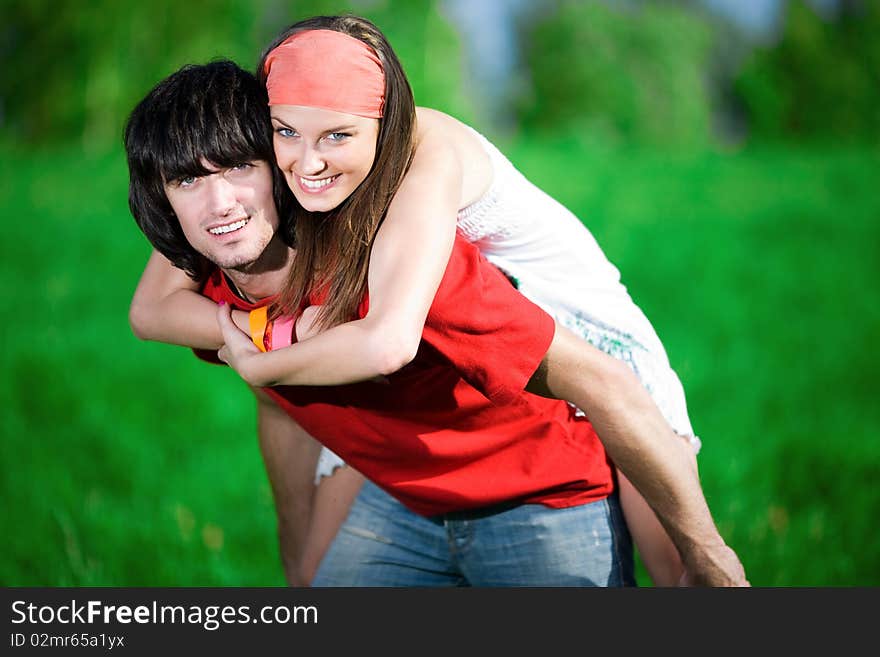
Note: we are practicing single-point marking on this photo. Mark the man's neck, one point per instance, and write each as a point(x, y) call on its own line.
point(265, 277)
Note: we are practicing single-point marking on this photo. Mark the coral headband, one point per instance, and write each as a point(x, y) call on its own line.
point(326, 69)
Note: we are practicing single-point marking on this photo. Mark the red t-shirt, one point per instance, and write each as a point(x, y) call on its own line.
point(454, 429)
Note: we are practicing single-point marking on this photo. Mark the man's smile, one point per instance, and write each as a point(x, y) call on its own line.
point(230, 227)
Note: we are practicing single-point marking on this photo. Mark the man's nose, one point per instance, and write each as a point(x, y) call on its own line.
point(222, 199)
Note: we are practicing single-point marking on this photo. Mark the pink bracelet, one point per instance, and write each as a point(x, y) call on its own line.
point(282, 332)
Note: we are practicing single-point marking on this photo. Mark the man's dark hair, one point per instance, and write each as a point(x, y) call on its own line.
point(217, 112)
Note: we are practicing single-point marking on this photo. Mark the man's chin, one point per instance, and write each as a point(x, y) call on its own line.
point(238, 262)
point(243, 266)
point(242, 256)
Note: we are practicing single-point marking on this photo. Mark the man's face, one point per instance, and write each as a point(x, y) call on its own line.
point(229, 215)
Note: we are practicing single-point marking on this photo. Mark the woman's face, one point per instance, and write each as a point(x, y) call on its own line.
point(323, 154)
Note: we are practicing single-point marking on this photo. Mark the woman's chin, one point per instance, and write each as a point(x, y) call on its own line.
point(316, 204)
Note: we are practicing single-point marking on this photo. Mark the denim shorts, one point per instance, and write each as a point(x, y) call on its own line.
point(382, 543)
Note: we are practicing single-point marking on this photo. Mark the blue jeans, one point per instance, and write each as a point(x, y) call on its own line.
point(382, 543)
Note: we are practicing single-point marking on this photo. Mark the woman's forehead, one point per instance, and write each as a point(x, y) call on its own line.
point(303, 116)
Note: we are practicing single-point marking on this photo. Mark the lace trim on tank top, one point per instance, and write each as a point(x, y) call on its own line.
point(484, 216)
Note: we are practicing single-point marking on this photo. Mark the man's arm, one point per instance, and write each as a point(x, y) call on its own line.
point(167, 307)
point(290, 455)
point(642, 445)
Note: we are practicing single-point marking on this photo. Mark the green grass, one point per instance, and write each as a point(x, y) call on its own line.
point(128, 463)
point(124, 463)
point(759, 271)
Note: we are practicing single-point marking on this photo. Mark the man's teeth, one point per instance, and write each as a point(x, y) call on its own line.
point(228, 228)
point(318, 184)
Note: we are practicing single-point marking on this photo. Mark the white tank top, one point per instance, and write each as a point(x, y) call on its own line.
point(554, 259)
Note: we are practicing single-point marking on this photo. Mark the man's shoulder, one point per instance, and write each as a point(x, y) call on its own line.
point(472, 286)
point(214, 284)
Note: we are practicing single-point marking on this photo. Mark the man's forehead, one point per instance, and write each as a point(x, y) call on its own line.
point(204, 167)
point(209, 166)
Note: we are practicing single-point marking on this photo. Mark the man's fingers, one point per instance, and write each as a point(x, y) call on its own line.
point(232, 335)
point(228, 329)
point(224, 317)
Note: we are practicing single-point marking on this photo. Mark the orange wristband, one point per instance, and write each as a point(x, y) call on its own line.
point(257, 320)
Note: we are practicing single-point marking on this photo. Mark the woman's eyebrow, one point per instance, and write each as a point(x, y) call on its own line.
point(341, 128)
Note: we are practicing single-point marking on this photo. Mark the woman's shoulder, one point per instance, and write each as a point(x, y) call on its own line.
point(432, 118)
point(438, 133)
point(441, 126)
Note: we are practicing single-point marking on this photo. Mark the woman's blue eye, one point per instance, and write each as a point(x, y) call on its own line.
point(338, 136)
point(286, 132)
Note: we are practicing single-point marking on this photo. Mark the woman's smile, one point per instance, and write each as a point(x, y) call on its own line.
point(317, 185)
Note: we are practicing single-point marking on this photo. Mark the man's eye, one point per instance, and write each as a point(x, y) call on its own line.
point(186, 181)
point(241, 167)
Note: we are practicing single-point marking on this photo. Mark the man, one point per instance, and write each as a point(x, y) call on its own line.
point(204, 192)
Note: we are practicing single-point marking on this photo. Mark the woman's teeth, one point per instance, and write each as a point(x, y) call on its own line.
point(318, 184)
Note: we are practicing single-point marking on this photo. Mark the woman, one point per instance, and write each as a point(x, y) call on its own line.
point(383, 189)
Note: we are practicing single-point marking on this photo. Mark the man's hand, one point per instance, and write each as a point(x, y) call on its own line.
point(238, 351)
point(307, 325)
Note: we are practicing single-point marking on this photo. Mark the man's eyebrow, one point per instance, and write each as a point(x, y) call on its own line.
point(190, 173)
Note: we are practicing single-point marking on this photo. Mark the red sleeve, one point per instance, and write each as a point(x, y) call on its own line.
point(490, 332)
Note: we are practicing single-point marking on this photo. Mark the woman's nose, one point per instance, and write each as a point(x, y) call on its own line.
point(312, 162)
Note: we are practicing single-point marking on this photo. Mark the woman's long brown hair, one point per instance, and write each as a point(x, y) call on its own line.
point(333, 248)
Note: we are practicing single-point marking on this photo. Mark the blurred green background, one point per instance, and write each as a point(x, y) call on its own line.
point(732, 175)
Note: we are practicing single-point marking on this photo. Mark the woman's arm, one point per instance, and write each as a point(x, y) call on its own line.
point(407, 262)
point(167, 307)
